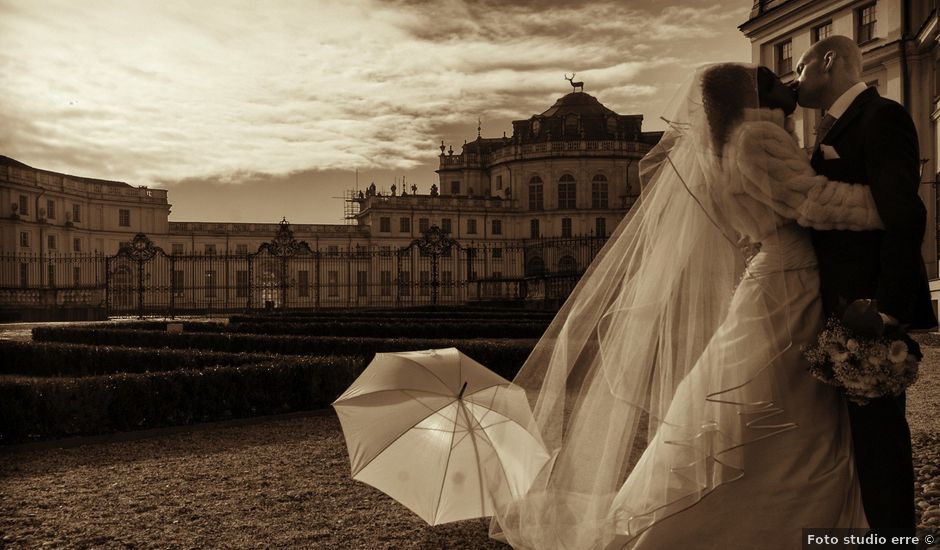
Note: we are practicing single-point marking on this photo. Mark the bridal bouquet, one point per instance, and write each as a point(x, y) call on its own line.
point(862, 355)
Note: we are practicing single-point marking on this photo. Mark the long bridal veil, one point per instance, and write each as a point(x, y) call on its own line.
point(641, 410)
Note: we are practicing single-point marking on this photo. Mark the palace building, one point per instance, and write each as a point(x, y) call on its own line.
point(529, 205)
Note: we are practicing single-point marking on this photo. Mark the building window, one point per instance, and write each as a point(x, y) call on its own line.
point(571, 125)
point(176, 282)
point(600, 227)
point(471, 227)
point(445, 225)
point(50, 209)
point(51, 242)
point(177, 249)
point(455, 188)
point(567, 265)
point(534, 229)
point(385, 224)
point(24, 205)
point(241, 249)
point(567, 192)
point(497, 228)
point(385, 279)
point(241, 283)
point(362, 283)
point(76, 213)
point(566, 227)
point(823, 30)
point(210, 250)
point(404, 225)
point(599, 192)
point(612, 125)
point(447, 282)
point(536, 194)
point(76, 245)
point(784, 57)
point(24, 239)
point(24, 275)
point(423, 225)
point(535, 267)
point(303, 283)
point(404, 283)
point(124, 217)
point(76, 276)
point(499, 182)
point(332, 283)
point(865, 24)
point(424, 283)
point(210, 283)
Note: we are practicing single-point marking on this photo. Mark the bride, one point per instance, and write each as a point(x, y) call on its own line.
point(670, 389)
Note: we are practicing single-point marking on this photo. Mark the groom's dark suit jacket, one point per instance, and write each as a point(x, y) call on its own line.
point(877, 145)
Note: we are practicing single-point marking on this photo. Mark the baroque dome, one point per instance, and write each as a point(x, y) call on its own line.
point(578, 103)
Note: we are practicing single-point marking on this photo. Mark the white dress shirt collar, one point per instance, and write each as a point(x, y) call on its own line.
point(840, 105)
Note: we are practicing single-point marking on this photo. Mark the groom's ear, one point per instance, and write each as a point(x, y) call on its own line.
point(828, 60)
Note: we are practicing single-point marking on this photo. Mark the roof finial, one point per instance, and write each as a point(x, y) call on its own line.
point(479, 126)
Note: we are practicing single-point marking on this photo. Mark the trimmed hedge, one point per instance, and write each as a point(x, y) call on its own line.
point(352, 315)
point(60, 359)
point(392, 329)
point(406, 328)
point(503, 356)
point(34, 408)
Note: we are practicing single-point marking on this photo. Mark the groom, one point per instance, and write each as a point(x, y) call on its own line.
point(867, 139)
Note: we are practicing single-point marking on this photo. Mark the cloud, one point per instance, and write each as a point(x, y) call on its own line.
point(158, 93)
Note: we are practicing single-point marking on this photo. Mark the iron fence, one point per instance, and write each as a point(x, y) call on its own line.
point(285, 273)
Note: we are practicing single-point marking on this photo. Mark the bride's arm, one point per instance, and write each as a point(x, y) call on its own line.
point(776, 171)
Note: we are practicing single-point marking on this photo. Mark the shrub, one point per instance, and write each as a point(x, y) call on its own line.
point(503, 356)
point(394, 329)
point(60, 359)
point(34, 408)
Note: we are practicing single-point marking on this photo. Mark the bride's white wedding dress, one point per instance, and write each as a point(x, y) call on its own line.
point(796, 451)
point(671, 390)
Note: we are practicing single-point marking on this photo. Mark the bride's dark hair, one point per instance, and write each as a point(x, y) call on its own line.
point(727, 90)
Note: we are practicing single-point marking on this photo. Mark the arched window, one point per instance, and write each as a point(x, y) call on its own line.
point(611, 125)
point(536, 194)
point(535, 267)
point(567, 192)
point(567, 265)
point(599, 192)
point(571, 125)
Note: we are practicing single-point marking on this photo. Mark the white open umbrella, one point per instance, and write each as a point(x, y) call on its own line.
point(437, 431)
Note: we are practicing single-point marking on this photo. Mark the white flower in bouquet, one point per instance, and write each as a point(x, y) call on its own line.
point(840, 357)
point(898, 352)
point(851, 344)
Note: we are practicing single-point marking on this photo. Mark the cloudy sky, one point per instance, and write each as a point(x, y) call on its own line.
point(249, 111)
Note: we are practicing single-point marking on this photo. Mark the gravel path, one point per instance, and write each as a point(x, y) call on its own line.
point(280, 483)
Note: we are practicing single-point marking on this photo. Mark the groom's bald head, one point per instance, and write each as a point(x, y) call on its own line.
point(827, 69)
point(846, 55)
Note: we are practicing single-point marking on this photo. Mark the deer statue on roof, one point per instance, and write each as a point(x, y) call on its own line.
point(574, 85)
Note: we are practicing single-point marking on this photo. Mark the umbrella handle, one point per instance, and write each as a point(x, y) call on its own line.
point(460, 395)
